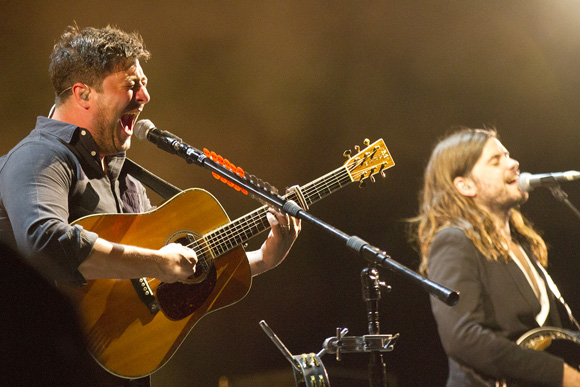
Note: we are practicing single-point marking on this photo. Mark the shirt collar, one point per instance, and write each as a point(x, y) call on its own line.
point(62, 130)
point(84, 143)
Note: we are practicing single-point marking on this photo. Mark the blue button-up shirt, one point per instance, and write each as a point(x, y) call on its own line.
point(48, 180)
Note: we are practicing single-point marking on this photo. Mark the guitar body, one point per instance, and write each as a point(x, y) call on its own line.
point(124, 336)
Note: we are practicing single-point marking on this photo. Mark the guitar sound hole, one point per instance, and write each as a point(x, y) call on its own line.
point(203, 266)
point(179, 300)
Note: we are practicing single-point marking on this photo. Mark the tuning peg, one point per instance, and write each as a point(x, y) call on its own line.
point(367, 142)
point(375, 149)
point(347, 153)
point(357, 148)
point(372, 179)
point(382, 171)
point(362, 182)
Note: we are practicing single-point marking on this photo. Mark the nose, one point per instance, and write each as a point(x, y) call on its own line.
point(515, 164)
point(142, 96)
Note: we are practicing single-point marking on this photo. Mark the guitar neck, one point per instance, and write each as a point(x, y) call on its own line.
point(224, 239)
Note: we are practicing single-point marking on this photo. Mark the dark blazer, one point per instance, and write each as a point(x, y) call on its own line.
point(496, 306)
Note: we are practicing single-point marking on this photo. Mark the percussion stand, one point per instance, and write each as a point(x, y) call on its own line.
point(309, 370)
point(371, 290)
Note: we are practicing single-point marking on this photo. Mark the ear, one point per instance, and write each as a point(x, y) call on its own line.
point(81, 93)
point(465, 186)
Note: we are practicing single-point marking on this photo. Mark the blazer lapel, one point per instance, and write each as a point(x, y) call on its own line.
point(522, 284)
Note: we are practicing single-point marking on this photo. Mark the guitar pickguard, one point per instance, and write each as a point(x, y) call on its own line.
point(179, 300)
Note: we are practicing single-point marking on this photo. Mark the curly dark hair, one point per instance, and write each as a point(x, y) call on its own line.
point(91, 54)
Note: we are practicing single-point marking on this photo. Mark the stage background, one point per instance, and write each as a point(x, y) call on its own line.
point(282, 89)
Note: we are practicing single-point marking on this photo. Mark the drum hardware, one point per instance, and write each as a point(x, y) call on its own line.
point(308, 368)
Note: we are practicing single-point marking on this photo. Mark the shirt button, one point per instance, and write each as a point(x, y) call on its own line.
point(93, 153)
point(83, 132)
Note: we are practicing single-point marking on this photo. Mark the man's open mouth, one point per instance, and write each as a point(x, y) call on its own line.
point(514, 180)
point(127, 121)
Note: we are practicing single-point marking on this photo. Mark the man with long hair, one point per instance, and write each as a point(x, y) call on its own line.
point(473, 239)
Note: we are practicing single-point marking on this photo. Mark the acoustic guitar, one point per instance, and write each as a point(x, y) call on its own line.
point(133, 327)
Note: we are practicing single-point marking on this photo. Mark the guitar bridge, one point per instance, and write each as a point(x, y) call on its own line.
point(145, 294)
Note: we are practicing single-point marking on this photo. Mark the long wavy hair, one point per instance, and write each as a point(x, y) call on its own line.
point(441, 205)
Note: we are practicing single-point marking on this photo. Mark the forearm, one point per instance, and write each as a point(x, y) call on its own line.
point(113, 260)
point(171, 263)
point(259, 263)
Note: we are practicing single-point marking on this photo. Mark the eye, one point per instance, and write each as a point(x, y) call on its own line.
point(495, 160)
point(136, 85)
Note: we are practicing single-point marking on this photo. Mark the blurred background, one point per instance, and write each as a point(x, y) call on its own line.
point(282, 89)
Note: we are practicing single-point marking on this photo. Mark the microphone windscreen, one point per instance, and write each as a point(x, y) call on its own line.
point(142, 127)
point(524, 182)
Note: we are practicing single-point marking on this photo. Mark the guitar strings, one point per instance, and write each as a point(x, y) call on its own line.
point(249, 220)
point(258, 217)
point(256, 220)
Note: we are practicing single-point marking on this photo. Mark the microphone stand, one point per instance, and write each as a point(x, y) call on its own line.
point(562, 196)
point(372, 254)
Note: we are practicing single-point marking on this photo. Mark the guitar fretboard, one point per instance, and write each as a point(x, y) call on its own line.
point(224, 239)
point(374, 159)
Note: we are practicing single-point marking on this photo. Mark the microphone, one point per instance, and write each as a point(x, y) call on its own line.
point(527, 182)
point(146, 130)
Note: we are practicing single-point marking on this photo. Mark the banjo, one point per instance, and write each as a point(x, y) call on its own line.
point(557, 341)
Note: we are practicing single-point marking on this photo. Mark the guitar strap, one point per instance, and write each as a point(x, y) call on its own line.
point(163, 188)
point(558, 295)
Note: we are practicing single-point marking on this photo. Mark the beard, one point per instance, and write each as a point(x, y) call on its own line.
point(504, 204)
point(108, 135)
point(500, 200)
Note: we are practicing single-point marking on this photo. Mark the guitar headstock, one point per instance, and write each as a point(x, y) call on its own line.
point(375, 158)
